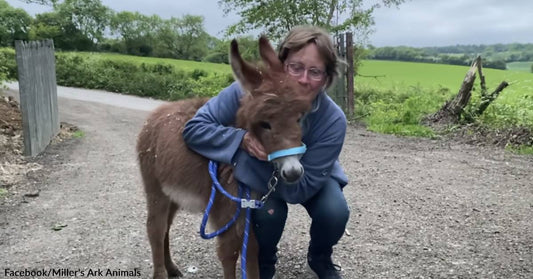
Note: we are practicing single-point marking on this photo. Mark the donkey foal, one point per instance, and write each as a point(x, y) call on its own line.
point(176, 178)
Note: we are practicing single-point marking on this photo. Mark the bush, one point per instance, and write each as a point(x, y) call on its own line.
point(3, 76)
point(8, 64)
point(397, 111)
point(161, 81)
point(217, 57)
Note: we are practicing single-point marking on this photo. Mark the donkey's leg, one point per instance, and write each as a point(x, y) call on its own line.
point(171, 267)
point(252, 262)
point(228, 248)
point(156, 226)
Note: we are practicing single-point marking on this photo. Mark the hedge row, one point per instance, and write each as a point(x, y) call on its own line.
point(161, 81)
point(8, 65)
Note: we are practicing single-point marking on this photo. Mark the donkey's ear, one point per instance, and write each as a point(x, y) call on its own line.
point(269, 55)
point(248, 75)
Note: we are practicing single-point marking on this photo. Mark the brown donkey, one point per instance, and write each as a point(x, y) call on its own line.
point(177, 178)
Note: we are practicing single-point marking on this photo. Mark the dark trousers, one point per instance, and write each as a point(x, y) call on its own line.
point(329, 214)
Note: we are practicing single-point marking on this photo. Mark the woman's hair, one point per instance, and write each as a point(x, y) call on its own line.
point(301, 36)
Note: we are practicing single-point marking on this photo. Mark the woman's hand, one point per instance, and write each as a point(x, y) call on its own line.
point(251, 145)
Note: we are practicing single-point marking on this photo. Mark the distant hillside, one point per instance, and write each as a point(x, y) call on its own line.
point(494, 56)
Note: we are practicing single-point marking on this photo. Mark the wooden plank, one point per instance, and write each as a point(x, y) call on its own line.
point(38, 94)
point(350, 102)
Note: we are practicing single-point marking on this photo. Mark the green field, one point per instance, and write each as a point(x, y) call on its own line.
point(520, 66)
point(392, 97)
point(394, 74)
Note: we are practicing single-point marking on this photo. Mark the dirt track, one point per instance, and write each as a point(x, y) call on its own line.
point(419, 209)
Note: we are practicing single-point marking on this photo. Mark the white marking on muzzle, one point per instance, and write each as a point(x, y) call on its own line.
point(290, 168)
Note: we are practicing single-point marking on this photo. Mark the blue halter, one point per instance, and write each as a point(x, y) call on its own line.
point(287, 152)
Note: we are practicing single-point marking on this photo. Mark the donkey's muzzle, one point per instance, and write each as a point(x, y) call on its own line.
point(287, 161)
point(290, 169)
point(292, 175)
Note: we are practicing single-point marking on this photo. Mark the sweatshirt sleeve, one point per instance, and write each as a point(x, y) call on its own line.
point(318, 162)
point(210, 132)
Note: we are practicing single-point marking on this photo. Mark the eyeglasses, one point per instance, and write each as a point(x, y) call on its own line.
point(298, 69)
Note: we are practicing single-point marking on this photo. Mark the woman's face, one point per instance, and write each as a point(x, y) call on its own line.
point(308, 68)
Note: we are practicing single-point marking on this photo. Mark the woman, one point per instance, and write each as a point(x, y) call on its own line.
point(308, 56)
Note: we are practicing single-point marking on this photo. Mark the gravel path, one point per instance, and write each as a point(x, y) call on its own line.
point(419, 209)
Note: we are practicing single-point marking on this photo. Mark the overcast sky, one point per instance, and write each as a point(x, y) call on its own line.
point(415, 23)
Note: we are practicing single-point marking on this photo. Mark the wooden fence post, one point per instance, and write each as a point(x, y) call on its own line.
point(338, 89)
point(349, 75)
point(342, 91)
point(38, 94)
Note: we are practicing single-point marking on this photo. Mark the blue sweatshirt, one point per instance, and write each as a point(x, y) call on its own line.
point(211, 134)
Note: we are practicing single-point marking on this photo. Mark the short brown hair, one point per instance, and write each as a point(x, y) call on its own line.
point(301, 36)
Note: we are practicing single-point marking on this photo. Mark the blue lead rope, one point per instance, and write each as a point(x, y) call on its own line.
point(244, 203)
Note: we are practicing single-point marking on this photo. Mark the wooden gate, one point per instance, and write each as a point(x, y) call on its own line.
point(342, 91)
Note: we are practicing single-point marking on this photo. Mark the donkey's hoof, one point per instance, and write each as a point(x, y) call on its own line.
point(174, 272)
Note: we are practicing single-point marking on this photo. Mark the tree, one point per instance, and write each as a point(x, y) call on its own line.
point(90, 17)
point(14, 24)
point(42, 2)
point(276, 17)
point(48, 26)
point(218, 50)
point(137, 31)
point(55, 26)
point(182, 38)
point(73, 24)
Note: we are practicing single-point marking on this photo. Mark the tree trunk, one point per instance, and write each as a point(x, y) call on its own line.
point(487, 99)
point(451, 111)
point(481, 78)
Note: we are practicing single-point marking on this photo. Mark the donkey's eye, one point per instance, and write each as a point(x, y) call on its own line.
point(264, 125)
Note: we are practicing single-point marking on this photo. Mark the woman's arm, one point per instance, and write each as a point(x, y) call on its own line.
point(210, 132)
point(318, 162)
